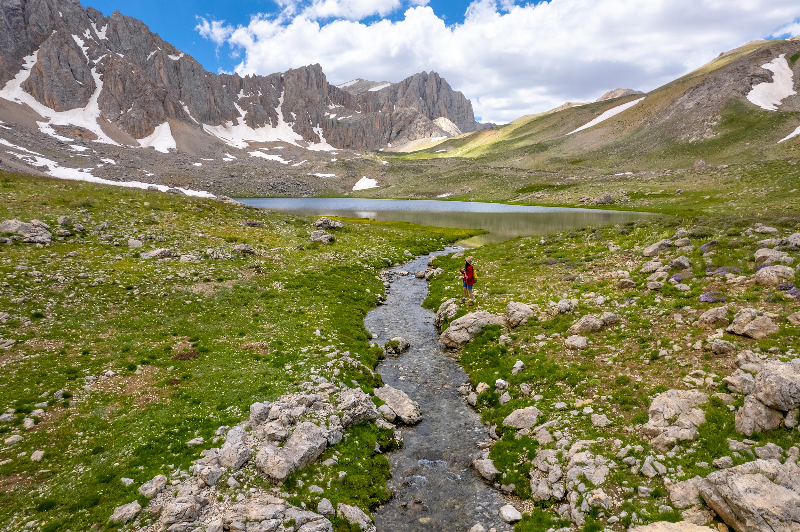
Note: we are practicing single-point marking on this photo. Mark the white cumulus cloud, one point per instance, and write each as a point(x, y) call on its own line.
point(508, 59)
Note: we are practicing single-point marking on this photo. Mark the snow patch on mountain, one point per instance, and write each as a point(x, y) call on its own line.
point(161, 139)
point(769, 95)
point(608, 114)
point(364, 183)
point(269, 157)
point(791, 135)
point(85, 117)
point(379, 87)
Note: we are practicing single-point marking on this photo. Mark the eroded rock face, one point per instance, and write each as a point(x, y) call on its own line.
point(464, 329)
point(756, 496)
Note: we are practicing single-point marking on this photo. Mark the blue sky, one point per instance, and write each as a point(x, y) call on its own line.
point(509, 58)
point(175, 21)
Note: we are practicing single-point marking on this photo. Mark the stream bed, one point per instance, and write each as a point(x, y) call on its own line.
point(433, 485)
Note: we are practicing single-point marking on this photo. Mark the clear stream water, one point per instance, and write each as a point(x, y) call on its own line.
point(434, 488)
point(502, 221)
point(433, 485)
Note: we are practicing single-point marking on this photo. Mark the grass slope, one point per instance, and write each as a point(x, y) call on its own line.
point(192, 344)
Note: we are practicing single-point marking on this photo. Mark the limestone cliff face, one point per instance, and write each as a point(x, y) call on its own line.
point(138, 81)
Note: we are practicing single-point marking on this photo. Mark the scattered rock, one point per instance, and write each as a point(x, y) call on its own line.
point(722, 347)
point(486, 469)
point(713, 318)
point(244, 249)
point(126, 512)
point(517, 313)
point(576, 342)
point(355, 515)
point(774, 275)
point(305, 445)
point(447, 311)
point(322, 237)
point(586, 324)
point(754, 416)
point(327, 223)
point(600, 420)
point(509, 514)
point(666, 526)
point(464, 329)
point(522, 418)
point(674, 417)
point(35, 232)
point(396, 345)
point(153, 487)
point(161, 253)
point(657, 248)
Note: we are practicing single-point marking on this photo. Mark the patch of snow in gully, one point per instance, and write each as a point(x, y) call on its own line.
point(608, 114)
point(791, 135)
point(379, 87)
point(769, 95)
point(269, 157)
point(161, 139)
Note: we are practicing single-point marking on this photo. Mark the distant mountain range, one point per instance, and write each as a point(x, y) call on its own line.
point(743, 106)
point(75, 73)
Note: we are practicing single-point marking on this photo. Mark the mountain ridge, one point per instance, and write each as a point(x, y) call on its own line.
point(143, 82)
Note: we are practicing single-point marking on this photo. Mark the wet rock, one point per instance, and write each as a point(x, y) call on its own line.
point(161, 253)
point(509, 514)
point(754, 416)
point(396, 345)
point(153, 487)
point(713, 318)
point(486, 469)
point(657, 248)
point(756, 496)
point(464, 329)
point(517, 313)
point(576, 342)
point(522, 418)
point(401, 404)
point(35, 232)
point(126, 512)
point(327, 223)
point(774, 275)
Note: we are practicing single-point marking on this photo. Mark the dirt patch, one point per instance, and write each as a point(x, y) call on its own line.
point(11, 483)
point(208, 288)
point(188, 354)
point(262, 348)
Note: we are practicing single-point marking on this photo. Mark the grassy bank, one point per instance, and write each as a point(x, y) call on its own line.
point(187, 346)
point(657, 345)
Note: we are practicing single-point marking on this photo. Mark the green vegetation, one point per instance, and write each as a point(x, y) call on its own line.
point(191, 344)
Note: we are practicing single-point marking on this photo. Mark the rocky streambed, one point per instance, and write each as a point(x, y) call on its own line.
point(433, 485)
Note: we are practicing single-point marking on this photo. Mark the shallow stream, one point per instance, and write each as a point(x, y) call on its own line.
point(433, 485)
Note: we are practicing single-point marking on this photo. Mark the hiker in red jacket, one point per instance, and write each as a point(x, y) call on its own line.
point(468, 278)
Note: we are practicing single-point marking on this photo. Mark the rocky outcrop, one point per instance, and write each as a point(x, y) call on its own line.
point(774, 393)
point(756, 496)
point(35, 232)
point(140, 82)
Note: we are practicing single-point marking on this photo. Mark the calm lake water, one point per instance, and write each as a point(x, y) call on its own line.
point(502, 221)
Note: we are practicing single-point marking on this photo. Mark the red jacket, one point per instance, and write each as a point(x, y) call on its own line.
point(468, 275)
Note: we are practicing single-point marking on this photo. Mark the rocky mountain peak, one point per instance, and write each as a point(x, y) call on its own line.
point(131, 85)
point(617, 93)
